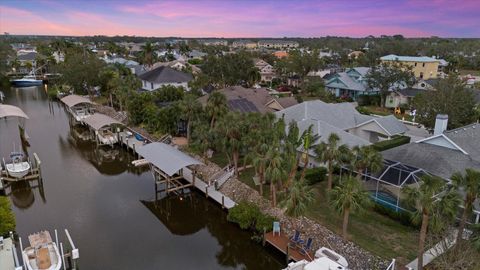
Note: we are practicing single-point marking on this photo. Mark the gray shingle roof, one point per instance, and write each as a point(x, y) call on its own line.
point(439, 160)
point(410, 92)
point(337, 117)
point(165, 75)
point(343, 81)
point(27, 56)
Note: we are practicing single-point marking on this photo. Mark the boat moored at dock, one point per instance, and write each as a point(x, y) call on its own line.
point(42, 253)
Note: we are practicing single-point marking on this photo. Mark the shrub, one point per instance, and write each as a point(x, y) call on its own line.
point(248, 216)
point(402, 216)
point(315, 175)
point(363, 110)
point(7, 218)
point(394, 142)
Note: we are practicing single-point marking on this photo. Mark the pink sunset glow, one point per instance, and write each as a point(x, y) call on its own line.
point(242, 18)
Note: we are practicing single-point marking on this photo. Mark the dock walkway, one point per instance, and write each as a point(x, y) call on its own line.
point(281, 242)
point(7, 256)
point(209, 190)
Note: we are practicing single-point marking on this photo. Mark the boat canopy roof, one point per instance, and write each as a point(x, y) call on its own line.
point(10, 110)
point(98, 121)
point(73, 100)
point(167, 158)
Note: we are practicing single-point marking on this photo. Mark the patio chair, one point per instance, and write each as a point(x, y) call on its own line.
point(276, 228)
point(305, 247)
point(295, 239)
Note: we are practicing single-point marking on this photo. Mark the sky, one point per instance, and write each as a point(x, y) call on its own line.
point(242, 18)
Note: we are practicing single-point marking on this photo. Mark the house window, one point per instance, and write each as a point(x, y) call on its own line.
point(415, 64)
point(151, 85)
point(423, 65)
point(421, 75)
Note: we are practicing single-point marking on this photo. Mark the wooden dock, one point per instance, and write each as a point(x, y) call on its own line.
point(281, 242)
point(131, 143)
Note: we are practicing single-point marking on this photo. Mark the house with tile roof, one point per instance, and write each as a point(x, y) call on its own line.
point(353, 128)
point(423, 67)
point(163, 76)
point(352, 83)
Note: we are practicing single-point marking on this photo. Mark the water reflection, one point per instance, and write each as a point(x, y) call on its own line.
point(22, 193)
point(186, 215)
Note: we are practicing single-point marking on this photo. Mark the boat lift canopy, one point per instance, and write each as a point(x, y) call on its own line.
point(98, 121)
point(9, 110)
point(73, 100)
point(166, 158)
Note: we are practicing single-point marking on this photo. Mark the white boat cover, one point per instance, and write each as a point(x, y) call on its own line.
point(165, 157)
point(10, 110)
point(98, 120)
point(73, 100)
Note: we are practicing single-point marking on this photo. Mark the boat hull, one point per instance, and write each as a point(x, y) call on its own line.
point(20, 83)
point(18, 170)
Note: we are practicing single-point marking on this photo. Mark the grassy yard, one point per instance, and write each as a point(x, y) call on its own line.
point(469, 71)
point(374, 232)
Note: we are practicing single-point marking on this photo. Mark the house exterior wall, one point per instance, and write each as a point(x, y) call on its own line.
point(149, 86)
point(277, 45)
point(394, 100)
point(422, 70)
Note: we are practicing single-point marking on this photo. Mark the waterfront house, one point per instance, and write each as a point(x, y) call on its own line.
point(163, 76)
point(246, 100)
point(353, 128)
point(350, 84)
point(444, 153)
point(423, 67)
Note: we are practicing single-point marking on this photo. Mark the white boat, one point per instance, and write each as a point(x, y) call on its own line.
point(42, 254)
point(29, 80)
point(17, 168)
point(325, 259)
point(106, 136)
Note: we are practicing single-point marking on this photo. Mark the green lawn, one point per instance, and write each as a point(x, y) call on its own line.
point(376, 233)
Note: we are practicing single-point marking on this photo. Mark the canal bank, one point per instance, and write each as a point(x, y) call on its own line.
point(109, 208)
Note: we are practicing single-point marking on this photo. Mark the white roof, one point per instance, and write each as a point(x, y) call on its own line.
point(73, 100)
point(98, 120)
point(165, 157)
point(9, 110)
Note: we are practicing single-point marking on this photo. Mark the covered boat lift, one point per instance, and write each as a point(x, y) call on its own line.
point(105, 128)
point(169, 166)
point(78, 106)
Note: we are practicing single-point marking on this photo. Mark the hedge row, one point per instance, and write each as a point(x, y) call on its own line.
point(248, 216)
point(394, 142)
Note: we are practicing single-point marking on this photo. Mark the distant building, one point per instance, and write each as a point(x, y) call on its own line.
point(280, 54)
point(423, 67)
point(163, 76)
point(195, 54)
point(214, 42)
point(267, 72)
point(278, 44)
point(244, 44)
point(355, 54)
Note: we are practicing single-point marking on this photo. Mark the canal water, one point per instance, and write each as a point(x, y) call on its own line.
point(109, 207)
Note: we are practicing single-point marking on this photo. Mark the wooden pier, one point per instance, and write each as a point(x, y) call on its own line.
point(282, 243)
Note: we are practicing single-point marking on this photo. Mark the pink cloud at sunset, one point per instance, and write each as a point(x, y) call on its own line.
point(242, 18)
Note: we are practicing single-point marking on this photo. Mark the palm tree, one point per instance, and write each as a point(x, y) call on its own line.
point(253, 76)
point(148, 54)
point(431, 208)
point(260, 161)
point(231, 131)
point(308, 138)
point(366, 158)
point(275, 171)
point(349, 196)
point(292, 141)
point(470, 184)
point(190, 108)
point(331, 153)
point(299, 197)
point(216, 107)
